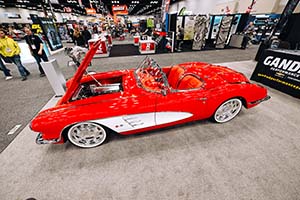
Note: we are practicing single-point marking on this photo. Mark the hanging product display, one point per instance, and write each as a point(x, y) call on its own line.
point(234, 26)
point(189, 27)
point(223, 31)
point(216, 26)
point(200, 31)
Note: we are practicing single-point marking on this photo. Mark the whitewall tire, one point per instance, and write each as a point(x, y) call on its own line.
point(86, 135)
point(228, 110)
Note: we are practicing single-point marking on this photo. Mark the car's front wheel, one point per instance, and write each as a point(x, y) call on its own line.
point(228, 110)
point(87, 134)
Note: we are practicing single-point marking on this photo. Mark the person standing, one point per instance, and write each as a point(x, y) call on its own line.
point(78, 37)
point(6, 71)
point(248, 33)
point(11, 50)
point(36, 45)
point(86, 35)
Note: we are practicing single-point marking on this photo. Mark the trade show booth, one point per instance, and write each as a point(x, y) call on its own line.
point(279, 59)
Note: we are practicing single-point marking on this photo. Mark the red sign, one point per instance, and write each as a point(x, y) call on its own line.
point(122, 10)
point(119, 8)
point(136, 39)
point(102, 48)
point(149, 46)
point(90, 11)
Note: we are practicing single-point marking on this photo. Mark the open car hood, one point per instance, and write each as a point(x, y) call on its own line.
point(75, 81)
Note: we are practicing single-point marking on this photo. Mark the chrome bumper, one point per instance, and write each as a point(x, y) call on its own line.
point(40, 140)
point(261, 100)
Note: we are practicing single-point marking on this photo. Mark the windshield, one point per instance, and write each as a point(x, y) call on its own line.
point(150, 76)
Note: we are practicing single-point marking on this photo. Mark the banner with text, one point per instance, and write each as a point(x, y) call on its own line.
point(280, 70)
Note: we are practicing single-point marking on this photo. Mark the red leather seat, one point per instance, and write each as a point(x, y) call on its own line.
point(189, 82)
point(175, 75)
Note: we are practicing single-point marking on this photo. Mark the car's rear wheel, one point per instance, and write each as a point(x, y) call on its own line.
point(86, 134)
point(228, 110)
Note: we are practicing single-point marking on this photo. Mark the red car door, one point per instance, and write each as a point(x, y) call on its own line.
point(179, 105)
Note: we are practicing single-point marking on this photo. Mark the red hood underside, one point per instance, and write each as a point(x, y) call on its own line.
point(79, 73)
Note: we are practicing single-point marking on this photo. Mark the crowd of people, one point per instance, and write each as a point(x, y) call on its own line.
point(10, 52)
point(76, 33)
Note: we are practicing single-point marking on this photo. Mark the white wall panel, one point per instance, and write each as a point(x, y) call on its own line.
point(236, 6)
point(196, 6)
point(221, 5)
point(262, 6)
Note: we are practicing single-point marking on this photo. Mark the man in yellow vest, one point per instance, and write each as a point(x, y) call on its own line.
point(11, 51)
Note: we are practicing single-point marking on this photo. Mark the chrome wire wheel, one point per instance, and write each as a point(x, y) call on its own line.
point(86, 135)
point(228, 110)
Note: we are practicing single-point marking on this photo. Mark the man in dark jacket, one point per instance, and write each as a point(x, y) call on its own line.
point(86, 35)
point(35, 45)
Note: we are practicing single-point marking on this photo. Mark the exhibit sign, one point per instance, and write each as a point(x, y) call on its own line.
point(102, 50)
point(118, 11)
point(146, 46)
point(49, 30)
point(90, 11)
point(279, 69)
point(51, 33)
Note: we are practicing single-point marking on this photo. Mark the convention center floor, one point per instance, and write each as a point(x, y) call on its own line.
point(254, 156)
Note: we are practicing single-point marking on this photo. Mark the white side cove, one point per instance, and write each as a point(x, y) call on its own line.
point(138, 121)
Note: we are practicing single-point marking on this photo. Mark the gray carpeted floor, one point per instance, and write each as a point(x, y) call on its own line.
point(21, 100)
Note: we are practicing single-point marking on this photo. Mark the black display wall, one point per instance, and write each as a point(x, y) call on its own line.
point(242, 23)
point(291, 32)
point(172, 22)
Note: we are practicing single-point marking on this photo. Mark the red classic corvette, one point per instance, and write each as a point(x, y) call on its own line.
point(148, 97)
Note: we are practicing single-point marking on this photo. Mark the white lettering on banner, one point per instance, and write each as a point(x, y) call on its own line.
point(294, 67)
point(285, 64)
point(288, 65)
point(267, 62)
point(275, 62)
point(286, 72)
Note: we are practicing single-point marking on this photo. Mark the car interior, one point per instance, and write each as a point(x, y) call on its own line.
point(179, 80)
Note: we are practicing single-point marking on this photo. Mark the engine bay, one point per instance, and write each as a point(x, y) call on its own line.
point(98, 87)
